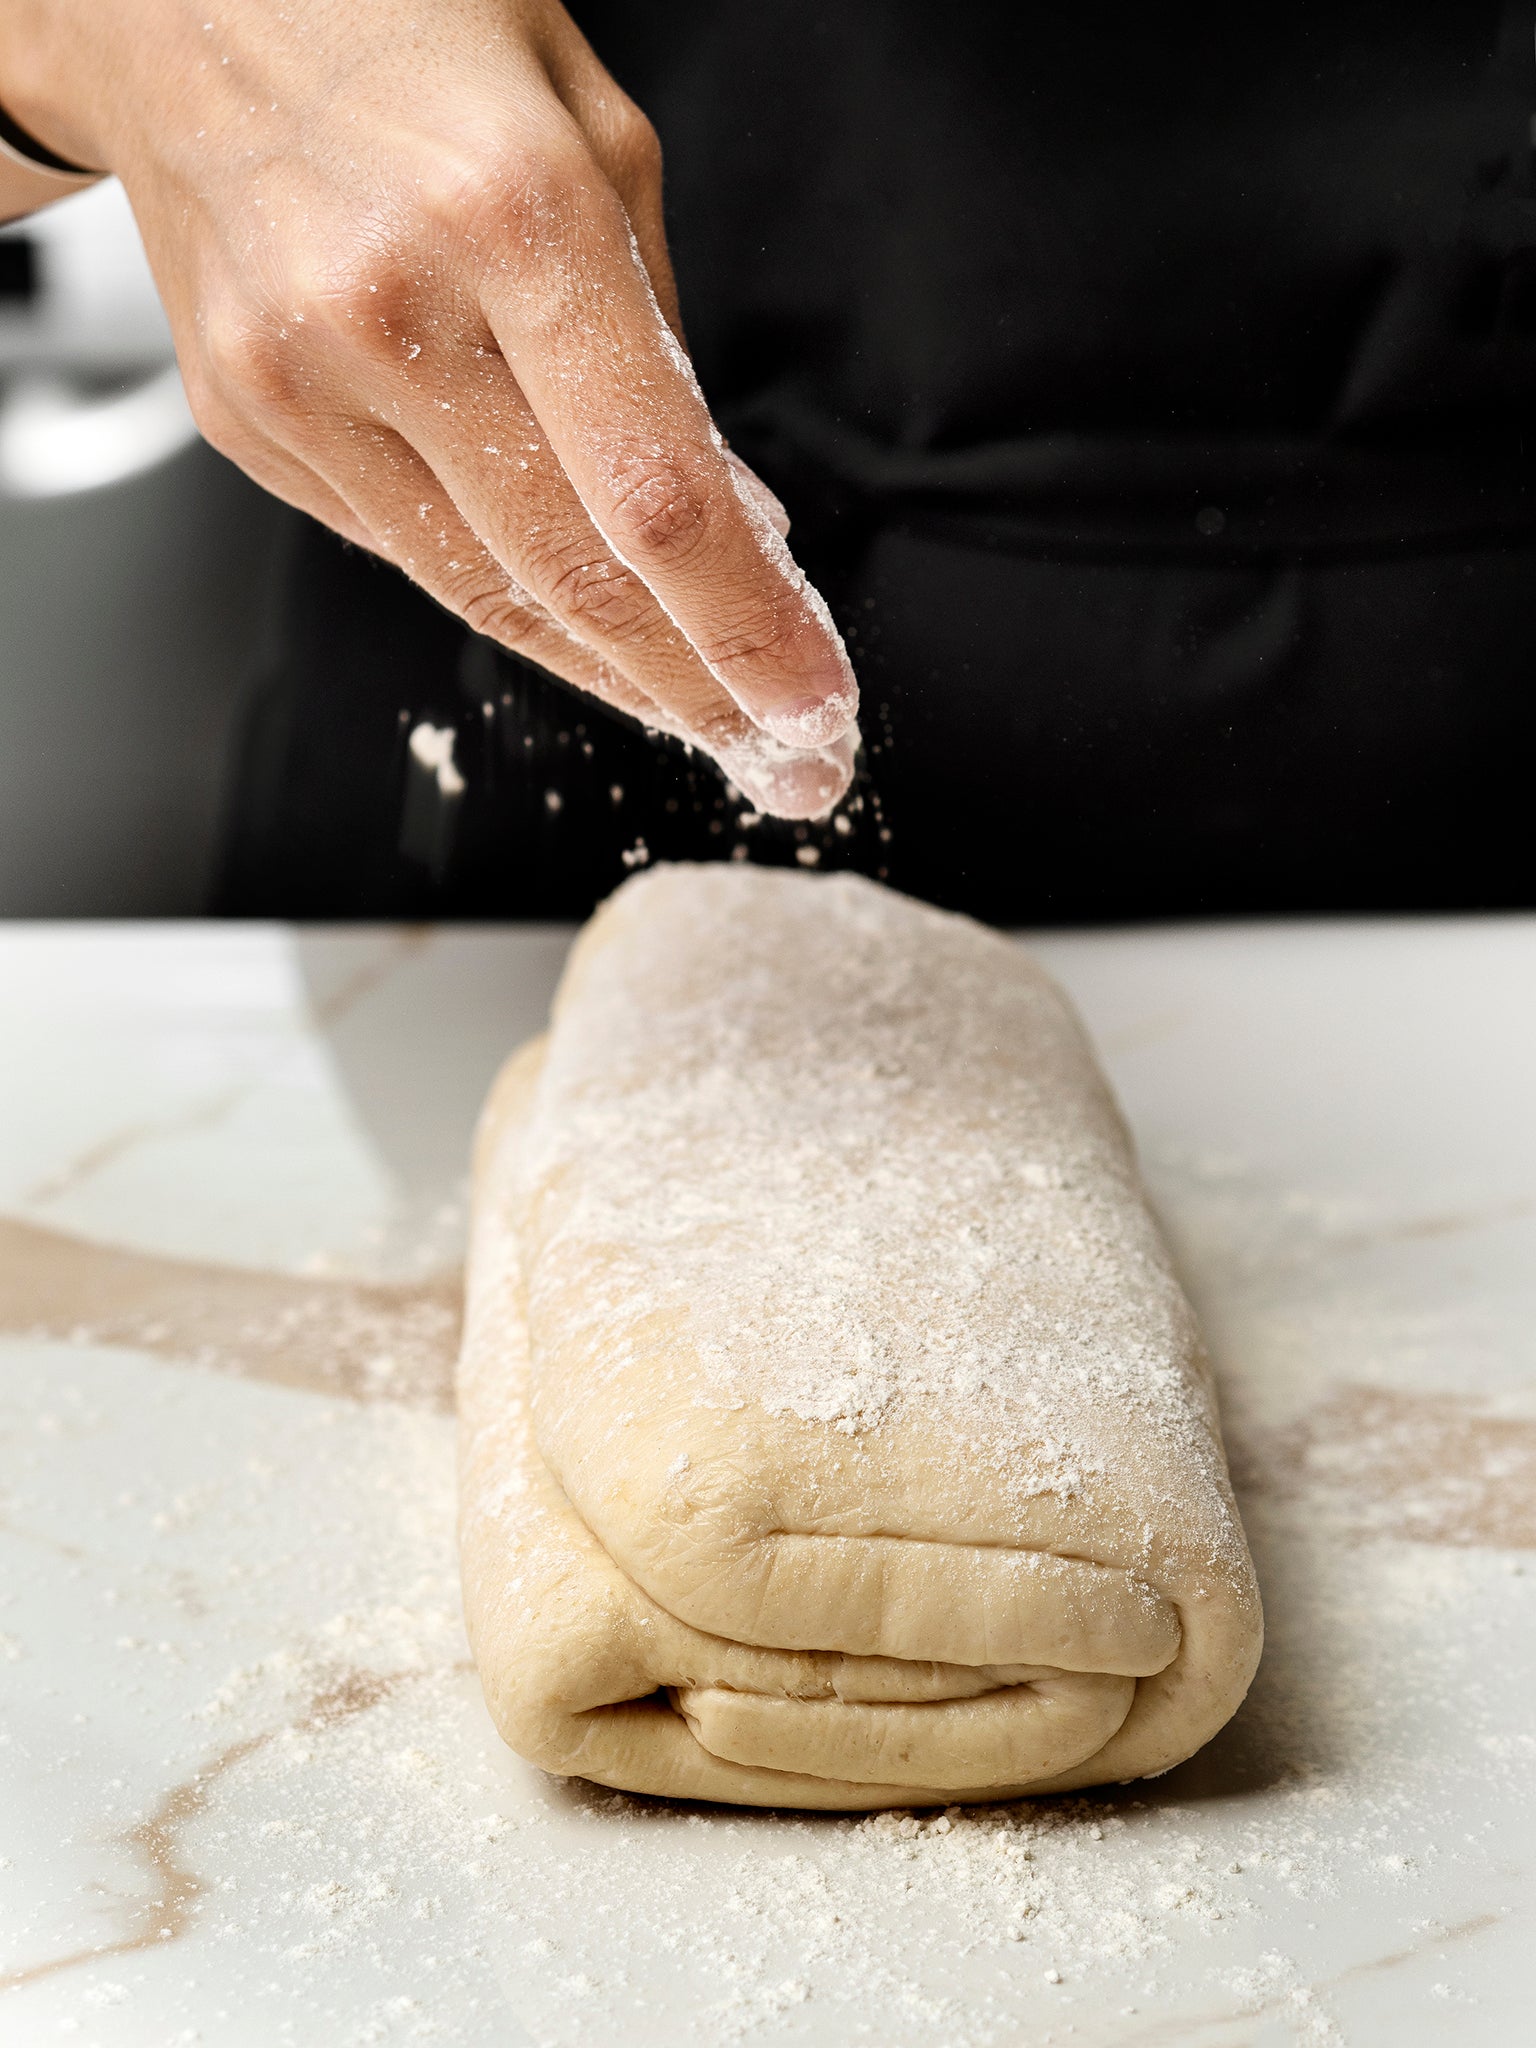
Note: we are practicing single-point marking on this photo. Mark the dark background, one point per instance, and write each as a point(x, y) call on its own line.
point(1152, 393)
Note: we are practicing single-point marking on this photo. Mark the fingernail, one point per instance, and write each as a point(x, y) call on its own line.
point(813, 721)
point(799, 784)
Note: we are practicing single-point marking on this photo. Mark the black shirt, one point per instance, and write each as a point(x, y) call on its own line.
point(1153, 394)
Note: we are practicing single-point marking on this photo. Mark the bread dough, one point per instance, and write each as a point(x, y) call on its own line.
point(834, 1430)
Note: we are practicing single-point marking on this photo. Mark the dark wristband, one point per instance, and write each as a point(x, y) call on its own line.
point(21, 144)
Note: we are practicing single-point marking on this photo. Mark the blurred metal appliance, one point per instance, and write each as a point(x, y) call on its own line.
point(134, 564)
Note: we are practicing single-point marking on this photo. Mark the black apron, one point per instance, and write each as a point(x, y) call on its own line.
point(1154, 396)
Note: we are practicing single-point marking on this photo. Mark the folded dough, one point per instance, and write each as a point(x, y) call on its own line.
point(834, 1431)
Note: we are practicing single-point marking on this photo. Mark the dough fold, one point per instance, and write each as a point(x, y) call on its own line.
point(834, 1432)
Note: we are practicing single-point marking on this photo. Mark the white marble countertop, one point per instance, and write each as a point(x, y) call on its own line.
point(248, 1793)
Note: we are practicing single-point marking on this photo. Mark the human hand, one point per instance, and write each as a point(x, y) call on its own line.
point(412, 253)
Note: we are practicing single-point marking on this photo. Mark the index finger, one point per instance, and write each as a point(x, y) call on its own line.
point(569, 303)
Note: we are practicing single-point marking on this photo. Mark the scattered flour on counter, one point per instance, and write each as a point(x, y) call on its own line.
point(357, 1857)
point(348, 1828)
point(380, 1826)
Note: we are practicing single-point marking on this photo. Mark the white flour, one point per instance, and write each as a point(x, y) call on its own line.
point(876, 1164)
point(362, 1862)
point(432, 746)
point(263, 1575)
point(388, 1821)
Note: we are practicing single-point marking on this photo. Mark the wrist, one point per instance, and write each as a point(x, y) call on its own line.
point(31, 176)
point(45, 137)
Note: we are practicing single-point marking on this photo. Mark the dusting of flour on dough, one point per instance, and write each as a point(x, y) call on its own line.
point(862, 1145)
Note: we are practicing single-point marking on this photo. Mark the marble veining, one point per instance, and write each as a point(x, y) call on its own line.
point(247, 1790)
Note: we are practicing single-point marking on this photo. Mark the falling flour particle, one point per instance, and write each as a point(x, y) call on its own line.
point(432, 747)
